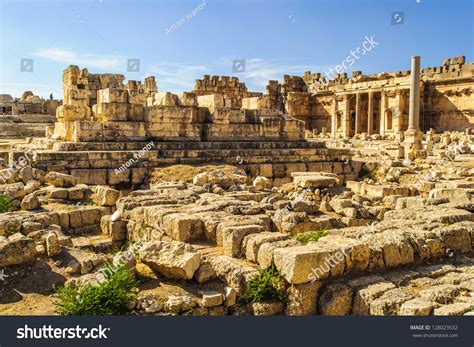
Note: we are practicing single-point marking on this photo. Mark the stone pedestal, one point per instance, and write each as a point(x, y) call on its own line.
point(399, 136)
point(401, 152)
point(413, 140)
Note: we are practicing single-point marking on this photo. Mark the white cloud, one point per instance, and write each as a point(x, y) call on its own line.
point(259, 71)
point(102, 62)
point(177, 77)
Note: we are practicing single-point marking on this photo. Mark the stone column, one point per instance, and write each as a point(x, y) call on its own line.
point(346, 117)
point(333, 124)
point(383, 114)
point(370, 114)
point(357, 116)
point(414, 112)
point(334, 119)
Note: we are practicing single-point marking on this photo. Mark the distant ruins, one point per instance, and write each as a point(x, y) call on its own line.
point(26, 116)
point(220, 121)
point(104, 122)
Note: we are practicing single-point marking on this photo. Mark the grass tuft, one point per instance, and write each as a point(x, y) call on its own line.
point(5, 204)
point(304, 238)
point(112, 297)
point(267, 286)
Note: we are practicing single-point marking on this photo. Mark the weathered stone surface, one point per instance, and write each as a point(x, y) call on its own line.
point(60, 180)
point(17, 249)
point(365, 296)
point(230, 296)
point(106, 196)
point(253, 242)
point(53, 246)
point(389, 303)
point(455, 309)
point(30, 202)
point(267, 308)
point(211, 298)
point(171, 259)
point(205, 273)
point(180, 303)
point(232, 238)
point(266, 250)
point(417, 307)
point(261, 183)
point(302, 299)
point(336, 300)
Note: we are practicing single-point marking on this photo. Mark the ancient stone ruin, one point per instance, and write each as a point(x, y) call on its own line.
point(27, 116)
point(353, 196)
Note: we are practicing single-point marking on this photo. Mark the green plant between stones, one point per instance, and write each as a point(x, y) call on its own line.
point(112, 297)
point(5, 204)
point(267, 286)
point(314, 236)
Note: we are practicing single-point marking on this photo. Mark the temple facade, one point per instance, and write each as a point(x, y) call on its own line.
point(379, 103)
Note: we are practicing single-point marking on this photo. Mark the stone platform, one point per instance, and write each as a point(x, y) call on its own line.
point(101, 162)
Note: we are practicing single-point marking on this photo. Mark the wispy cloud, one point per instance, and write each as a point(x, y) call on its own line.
point(177, 76)
point(259, 71)
point(102, 62)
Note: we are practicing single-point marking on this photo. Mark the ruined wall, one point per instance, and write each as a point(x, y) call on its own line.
point(28, 103)
point(101, 108)
point(230, 87)
point(449, 95)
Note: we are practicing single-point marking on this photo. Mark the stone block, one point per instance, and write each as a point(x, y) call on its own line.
point(212, 100)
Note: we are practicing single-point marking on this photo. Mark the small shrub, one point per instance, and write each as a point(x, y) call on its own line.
point(267, 286)
point(5, 204)
point(304, 238)
point(111, 297)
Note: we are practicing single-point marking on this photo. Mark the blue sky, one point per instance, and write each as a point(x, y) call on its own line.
point(274, 37)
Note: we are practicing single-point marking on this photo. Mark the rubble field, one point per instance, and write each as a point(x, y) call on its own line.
point(397, 240)
point(353, 196)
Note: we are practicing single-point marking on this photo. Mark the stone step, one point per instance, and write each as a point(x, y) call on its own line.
point(337, 255)
point(182, 145)
point(235, 273)
point(98, 243)
point(439, 289)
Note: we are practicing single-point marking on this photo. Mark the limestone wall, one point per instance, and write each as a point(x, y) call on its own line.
point(101, 108)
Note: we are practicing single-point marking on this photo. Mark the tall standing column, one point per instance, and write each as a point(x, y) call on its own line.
point(347, 116)
point(383, 114)
point(370, 114)
point(414, 111)
point(334, 118)
point(357, 116)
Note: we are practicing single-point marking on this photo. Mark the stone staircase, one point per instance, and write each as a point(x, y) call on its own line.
point(101, 162)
